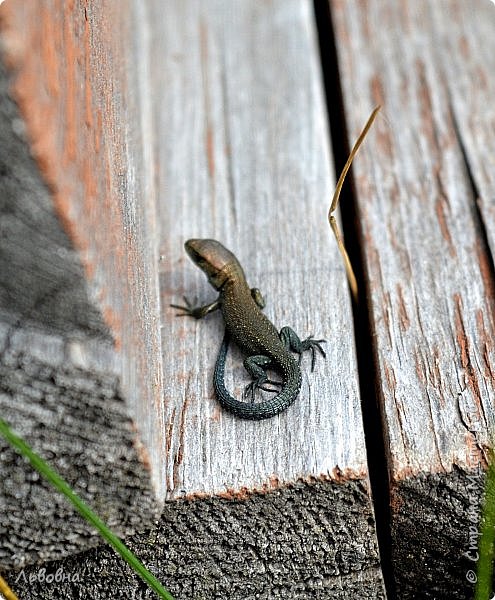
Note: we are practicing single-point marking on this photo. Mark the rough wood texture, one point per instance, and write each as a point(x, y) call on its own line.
point(429, 270)
point(239, 164)
point(249, 165)
point(468, 63)
point(282, 507)
point(79, 336)
point(287, 543)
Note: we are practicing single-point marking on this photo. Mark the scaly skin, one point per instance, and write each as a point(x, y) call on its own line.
point(251, 330)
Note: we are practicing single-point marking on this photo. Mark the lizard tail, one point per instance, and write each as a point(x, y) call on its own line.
point(261, 410)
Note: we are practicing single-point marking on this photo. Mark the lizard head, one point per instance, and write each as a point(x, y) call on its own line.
point(215, 260)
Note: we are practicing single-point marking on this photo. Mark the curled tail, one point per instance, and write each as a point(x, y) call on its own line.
point(256, 411)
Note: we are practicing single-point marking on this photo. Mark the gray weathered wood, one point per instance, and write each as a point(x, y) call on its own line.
point(239, 164)
point(428, 269)
point(284, 543)
point(79, 336)
point(468, 64)
point(281, 507)
point(244, 158)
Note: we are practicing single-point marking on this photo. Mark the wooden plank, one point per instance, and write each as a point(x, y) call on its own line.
point(279, 508)
point(245, 160)
point(467, 60)
point(256, 176)
point(79, 336)
point(429, 272)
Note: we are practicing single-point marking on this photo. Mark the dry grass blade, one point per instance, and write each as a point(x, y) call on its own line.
point(335, 200)
point(5, 591)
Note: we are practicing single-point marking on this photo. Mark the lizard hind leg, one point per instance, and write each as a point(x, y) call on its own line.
point(292, 341)
point(256, 367)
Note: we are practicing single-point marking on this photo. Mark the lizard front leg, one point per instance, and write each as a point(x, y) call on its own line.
point(257, 296)
point(197, 312)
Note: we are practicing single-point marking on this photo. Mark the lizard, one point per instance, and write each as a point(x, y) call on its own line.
point(251, 330)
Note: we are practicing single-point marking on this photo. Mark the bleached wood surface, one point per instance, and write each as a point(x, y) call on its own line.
point(239, 164)
point(244, 158)
point(468, 64)
point(241, 152)
point(429, 271)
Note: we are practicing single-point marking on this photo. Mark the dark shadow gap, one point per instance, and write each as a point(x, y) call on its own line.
point(373, 430)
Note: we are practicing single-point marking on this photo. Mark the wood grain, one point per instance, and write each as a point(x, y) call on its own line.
point(79, 331)
point(282, 506)
point(243, 157)
point(242, 154)
point(467, 62)
point(241, 166)
point(429, 271)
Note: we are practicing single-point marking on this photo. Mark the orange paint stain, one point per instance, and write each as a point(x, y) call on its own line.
point(402, 311)
point(273, 483)
point(463, 345)
point(442, 221)
point(210, 152)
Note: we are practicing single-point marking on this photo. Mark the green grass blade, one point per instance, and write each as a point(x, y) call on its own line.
point(484, 582)
point(62, 486)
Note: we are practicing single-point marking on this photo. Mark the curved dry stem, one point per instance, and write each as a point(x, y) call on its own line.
point(335, 200)
point(347, 263)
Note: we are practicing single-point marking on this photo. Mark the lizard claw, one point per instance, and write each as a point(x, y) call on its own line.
point(259, 384)
point(313, 345)
point(249, 391)
point(186, 309)
point(190, 309)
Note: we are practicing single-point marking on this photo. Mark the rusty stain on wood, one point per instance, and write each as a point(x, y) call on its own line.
point(402, 311)
point(420, 365)
point(440, 205)
point(488, 346)
point(209, 141)
point(463, 345)
point(487, 280)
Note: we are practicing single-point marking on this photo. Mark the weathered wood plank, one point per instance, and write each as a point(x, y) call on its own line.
point(79, 336)
point(256, 176)
point(279, 508)
point(246, 160)
point(468, 63)
point(429, 271)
